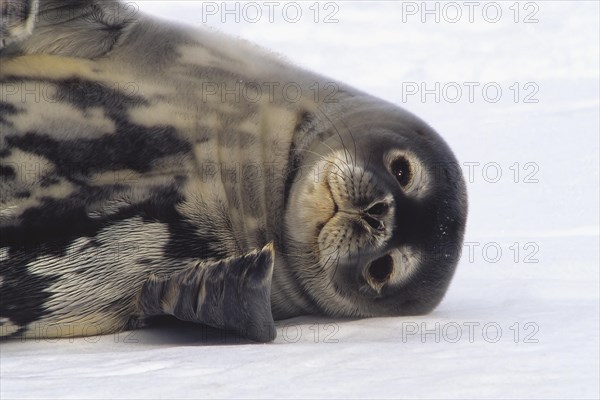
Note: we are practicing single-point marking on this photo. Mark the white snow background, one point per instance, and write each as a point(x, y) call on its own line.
point(520, 323)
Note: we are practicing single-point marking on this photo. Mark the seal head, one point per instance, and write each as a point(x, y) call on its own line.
point(376, 219)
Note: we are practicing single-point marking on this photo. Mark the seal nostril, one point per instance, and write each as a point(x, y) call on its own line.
point(380, 270)
point(374, 223)
point(378, 209)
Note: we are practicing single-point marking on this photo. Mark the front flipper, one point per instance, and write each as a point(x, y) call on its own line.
point(233, 294)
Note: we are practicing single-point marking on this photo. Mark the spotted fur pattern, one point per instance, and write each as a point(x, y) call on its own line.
point(133, 149)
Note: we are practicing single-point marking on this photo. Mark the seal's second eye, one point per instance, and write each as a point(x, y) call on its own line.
point(401, 171)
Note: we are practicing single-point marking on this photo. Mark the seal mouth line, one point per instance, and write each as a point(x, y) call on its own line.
point(321, 225)
point(335, 206)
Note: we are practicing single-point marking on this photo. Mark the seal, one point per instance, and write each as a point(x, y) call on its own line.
point(152, 169)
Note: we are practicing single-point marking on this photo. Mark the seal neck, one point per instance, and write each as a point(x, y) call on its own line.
point(288, 298)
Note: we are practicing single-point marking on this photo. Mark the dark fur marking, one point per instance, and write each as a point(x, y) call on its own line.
point(23, 194)
point(7, 109)
point(46, 181)
point(7, 172)
point(50, 227)
point(84, 94)
point(22, 309)
point(132, 146)
point(186, 241)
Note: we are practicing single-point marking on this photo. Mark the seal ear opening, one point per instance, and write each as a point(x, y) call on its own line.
point(17, 20)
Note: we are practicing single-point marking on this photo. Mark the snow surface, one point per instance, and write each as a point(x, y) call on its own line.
point(544, 299)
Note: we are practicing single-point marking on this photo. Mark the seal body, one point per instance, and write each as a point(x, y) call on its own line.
point(140, 159)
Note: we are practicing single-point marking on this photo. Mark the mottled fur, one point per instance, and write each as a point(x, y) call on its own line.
point(132, 148)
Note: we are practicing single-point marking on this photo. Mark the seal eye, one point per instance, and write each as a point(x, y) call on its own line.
point(401, 171)
point(381, 269)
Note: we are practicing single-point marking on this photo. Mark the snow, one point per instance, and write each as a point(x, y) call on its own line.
point(528, 317)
